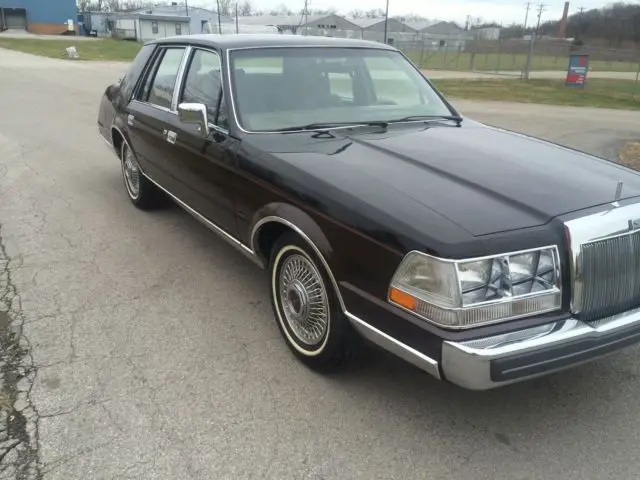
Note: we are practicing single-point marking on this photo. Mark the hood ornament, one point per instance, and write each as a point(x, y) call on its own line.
point(618, 194)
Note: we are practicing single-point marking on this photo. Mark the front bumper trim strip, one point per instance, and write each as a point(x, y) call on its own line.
point(490, 362)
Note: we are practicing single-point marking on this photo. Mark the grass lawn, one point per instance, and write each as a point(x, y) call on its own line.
point(442, 60)
point(107, 49)
point(630, 155)
point(598, 92)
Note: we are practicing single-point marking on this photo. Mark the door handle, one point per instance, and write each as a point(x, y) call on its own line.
point(131, 120)
point(171, 136)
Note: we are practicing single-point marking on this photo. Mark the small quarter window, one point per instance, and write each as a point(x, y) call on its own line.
point(203, 83)
point(178, 29)
point(154, 27)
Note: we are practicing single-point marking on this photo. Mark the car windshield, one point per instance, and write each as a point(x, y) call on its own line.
point(285, 88)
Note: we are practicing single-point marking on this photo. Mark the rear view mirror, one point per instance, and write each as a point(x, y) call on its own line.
point(196, 114)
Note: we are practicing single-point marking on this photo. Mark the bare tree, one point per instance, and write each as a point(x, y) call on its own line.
point(374, 13)
point(128, 5)
point(245, 8)
point(357, 13)
point(112, 5)
point(323, 11)
point(281, 9)
point(226, 6)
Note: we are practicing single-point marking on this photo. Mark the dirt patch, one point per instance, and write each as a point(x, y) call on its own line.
point(629, 155)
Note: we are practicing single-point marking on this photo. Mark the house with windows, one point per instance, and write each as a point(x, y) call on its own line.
point(145, 27)
point(200, 19)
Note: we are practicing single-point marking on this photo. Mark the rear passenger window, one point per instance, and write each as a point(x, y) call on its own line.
point(203, 83)
point(162, 85)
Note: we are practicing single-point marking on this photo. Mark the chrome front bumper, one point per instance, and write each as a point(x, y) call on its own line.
point(491, 362)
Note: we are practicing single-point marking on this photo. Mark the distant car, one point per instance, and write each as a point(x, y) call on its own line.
point(481, 256)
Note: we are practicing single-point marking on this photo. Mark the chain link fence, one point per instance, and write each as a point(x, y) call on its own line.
point(509, 57)
point(460, 52)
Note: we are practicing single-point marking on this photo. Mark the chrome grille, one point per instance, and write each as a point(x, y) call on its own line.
point(610, 272)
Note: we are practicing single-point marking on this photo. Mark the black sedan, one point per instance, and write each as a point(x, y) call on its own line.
point(480, 255)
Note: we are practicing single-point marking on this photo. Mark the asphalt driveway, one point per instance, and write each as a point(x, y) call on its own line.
point(138, 345)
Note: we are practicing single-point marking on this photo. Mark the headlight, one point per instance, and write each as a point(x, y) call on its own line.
point(473, 292)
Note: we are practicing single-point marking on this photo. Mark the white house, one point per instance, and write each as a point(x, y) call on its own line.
point(198, 17)
point(144, 27)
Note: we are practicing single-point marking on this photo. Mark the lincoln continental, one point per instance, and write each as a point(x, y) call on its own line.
point(381, 214)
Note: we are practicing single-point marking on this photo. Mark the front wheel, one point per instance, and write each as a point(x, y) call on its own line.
point(306, 308)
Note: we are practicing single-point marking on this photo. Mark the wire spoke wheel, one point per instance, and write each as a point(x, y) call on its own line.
point(304, 300)
point(131, 173)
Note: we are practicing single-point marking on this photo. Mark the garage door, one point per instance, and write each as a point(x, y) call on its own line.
point(15, 18)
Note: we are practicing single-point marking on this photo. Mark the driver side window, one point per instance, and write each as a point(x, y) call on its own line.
point(203, 84)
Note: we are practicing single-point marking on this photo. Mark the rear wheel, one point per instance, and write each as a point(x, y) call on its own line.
point(142, 193)
point(306, 307)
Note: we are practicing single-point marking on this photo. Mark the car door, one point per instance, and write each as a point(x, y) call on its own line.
point(150, 112)
point(204, 164)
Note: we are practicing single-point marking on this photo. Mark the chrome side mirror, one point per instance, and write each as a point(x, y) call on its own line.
point(196, 114)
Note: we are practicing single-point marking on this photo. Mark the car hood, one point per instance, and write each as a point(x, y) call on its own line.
point(484, 179)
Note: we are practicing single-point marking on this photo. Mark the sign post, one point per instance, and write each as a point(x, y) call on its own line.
point(577, 71)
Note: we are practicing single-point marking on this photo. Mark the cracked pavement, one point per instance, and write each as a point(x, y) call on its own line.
point(139, 346)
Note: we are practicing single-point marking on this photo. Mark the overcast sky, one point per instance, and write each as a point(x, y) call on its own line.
point(505, 11)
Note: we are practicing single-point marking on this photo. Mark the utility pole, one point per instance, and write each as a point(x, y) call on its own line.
point(219, 25)
point(305, 14)
point(526, 16)
point(237, 29)
point(386, 21)
point(527, 69)
point(186, 7)
point(540, 10)
point(579, 33)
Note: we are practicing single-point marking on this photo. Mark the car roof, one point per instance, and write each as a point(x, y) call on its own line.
point(250, 40)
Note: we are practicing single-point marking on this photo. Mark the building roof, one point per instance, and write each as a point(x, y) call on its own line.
point(444, 28)
point(279, 20)
point(146, 16)
point(180, 10)
point(233, 41)
point(365, 22)
point(420, 24)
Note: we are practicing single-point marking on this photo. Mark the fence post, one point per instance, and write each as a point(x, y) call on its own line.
point(422, 53)
point(499, 55)
point(472, 62)
point(636, 85)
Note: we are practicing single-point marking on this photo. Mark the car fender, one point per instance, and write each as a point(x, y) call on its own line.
point(119, 127)
point(304, 225)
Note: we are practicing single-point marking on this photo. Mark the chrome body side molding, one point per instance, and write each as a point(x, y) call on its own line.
point(369, 332)
point(394, 346)
point(230, 239)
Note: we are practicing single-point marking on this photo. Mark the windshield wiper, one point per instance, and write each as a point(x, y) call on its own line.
point(328, 126)
point(426, 118)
